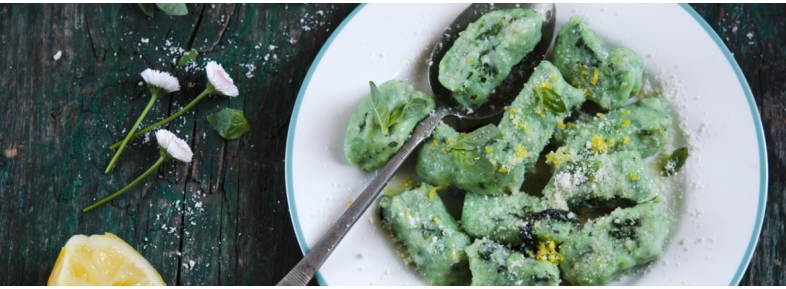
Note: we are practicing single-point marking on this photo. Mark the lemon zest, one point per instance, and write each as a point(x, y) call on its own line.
point(595, 75)
point(548, 252)
point(433, 192)
point(633, 176)
point(626, 123)
point(599, 144)
point(521, 152)
point(556, 158)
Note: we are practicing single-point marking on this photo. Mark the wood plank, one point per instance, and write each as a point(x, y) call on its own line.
point(226, 211)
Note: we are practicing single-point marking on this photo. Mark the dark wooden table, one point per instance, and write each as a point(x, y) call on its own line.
point(226, 211)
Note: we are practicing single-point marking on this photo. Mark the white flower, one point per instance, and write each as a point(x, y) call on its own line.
point(220, 79)
point(174, 146)
point(161, 80)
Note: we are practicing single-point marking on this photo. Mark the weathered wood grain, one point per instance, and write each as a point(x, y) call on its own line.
point(226, 211)
point(755, 34)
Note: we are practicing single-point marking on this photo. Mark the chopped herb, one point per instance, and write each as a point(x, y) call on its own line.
point(675, 162)
point(188, 57)
point(475, 139)
point(473, 161)
point(551, 99)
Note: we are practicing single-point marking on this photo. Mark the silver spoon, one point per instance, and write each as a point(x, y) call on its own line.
point(446, 106)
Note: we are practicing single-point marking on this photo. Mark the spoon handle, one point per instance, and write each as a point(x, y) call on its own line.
point(308, 266)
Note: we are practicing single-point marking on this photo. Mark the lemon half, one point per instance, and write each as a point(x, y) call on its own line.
point(102, 260)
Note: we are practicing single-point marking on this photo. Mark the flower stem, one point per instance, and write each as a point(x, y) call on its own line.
point(155, 166)
point(128, 137)
point(168, 119)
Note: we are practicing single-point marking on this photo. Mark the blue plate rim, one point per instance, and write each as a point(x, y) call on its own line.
point(764, 175)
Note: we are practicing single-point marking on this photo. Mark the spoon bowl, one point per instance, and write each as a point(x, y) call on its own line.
point(507, 90)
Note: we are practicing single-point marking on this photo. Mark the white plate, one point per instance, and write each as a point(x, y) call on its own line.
point(719, 205)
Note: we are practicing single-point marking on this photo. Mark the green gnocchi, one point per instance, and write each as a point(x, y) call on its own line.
point(506, 236)
point(483, 55)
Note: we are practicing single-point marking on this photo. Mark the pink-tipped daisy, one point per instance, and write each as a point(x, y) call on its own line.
point(220, 79)
point(173, 145)
point(160, 83)
point(218, 82)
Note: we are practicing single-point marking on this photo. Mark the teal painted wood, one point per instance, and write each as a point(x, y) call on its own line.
point(226, 211)
point(754, 34)
point(58, 117)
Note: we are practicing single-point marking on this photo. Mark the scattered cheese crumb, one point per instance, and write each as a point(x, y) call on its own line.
point(57, 55)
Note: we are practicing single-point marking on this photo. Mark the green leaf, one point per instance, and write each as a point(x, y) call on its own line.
point(475, 139)
point(414, 107)
point(187, 57)
point(380, 106)
point(551, 99)
point(148, 9)
point(411, 109)
point(229, 123)
point(395, 115)
point(473, 161)
point(675, 162)
point(173, 9)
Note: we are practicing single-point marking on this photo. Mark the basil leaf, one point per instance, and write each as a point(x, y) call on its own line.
point(411, 109)
point(173, 9)
point(395, 115)
point(473, 161)
point(148, 9)
point(475, 139)
point(551, 99)
point(414, 107)
point(229, 123)
point(380, 106)
point(675, 162)
point(187, 58)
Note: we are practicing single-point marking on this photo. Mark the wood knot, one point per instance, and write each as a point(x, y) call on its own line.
point(13, 150)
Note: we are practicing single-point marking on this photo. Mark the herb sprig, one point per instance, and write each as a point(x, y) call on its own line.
point(386, 118)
